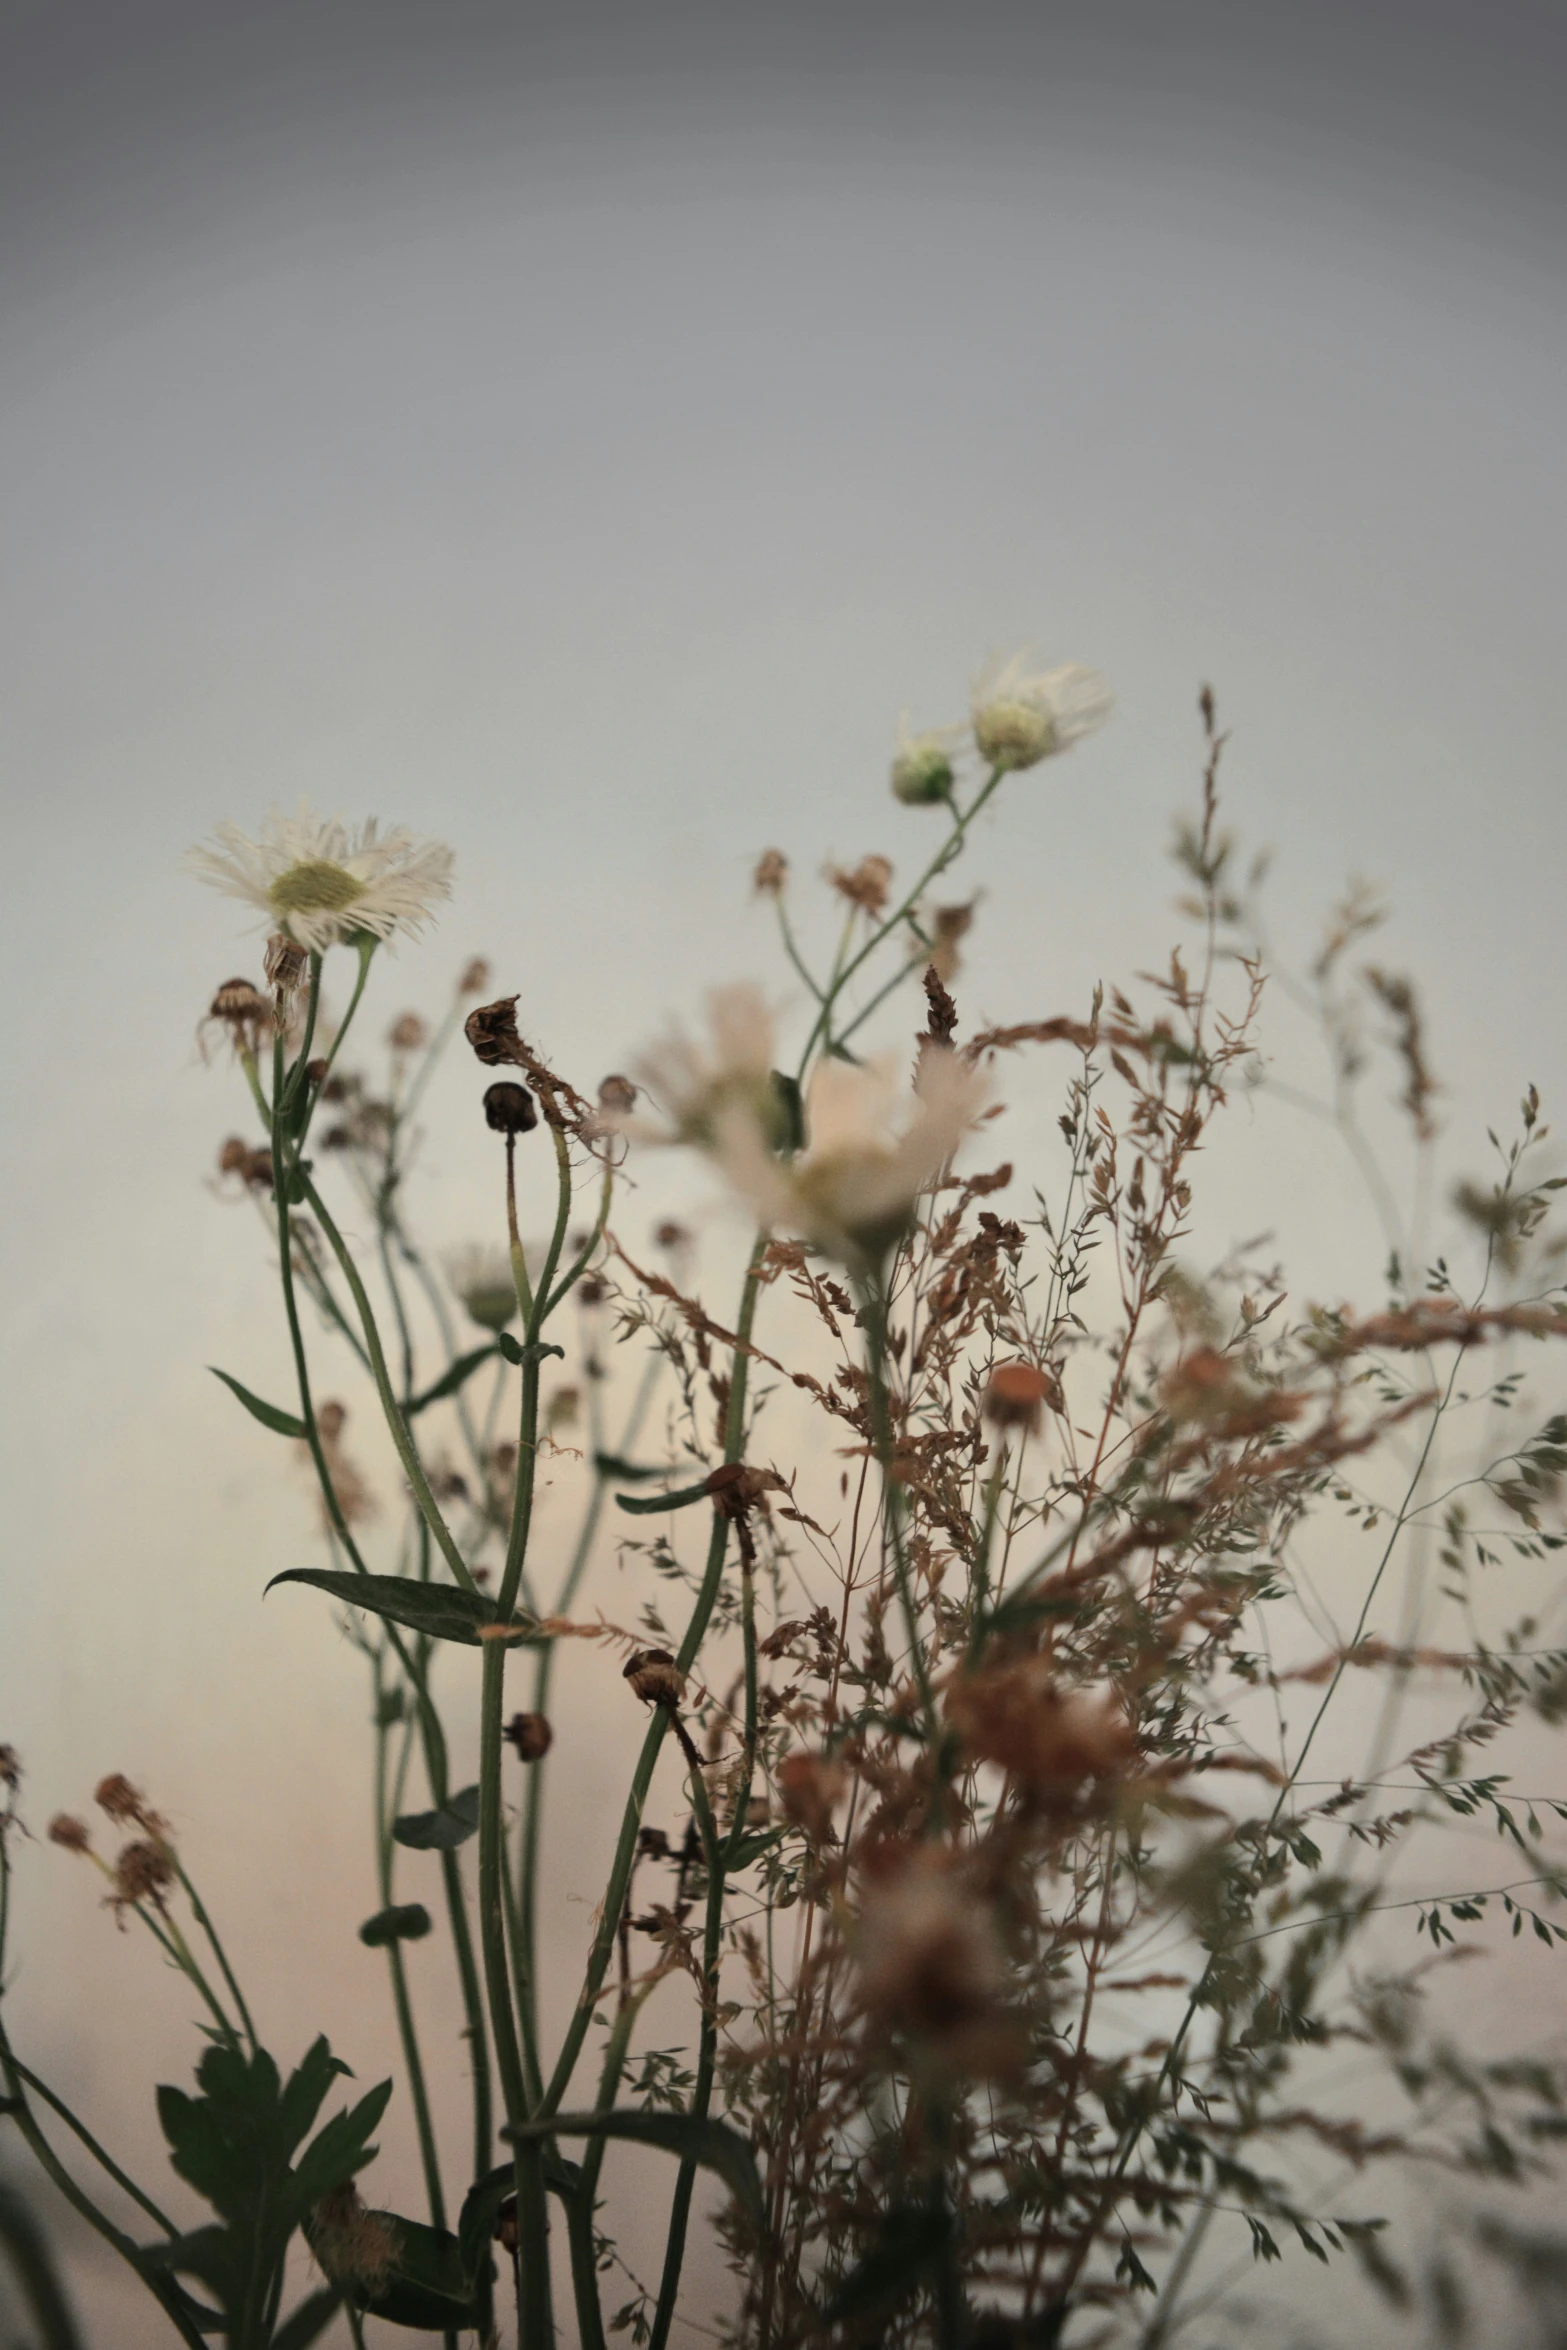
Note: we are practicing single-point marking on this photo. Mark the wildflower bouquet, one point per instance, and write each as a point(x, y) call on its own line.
point(1009, 1925)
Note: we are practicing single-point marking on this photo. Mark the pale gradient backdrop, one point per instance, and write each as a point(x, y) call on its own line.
point(581, 440)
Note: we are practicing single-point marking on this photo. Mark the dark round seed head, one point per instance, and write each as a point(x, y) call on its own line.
point(509, 1108)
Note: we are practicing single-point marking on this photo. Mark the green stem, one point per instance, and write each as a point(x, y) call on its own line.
point(385, 1806)
point(198, 1911)
point(707, 2057)
point(163, 2289)
point(603, 1944)
point(413, 1468)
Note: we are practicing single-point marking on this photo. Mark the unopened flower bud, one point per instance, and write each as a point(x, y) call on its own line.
point(618, 1095)
point(475, 976)
point(922, 768)
point(407, 1033)
point(655, 1677)
point(509, 1108)
point(316, 1070)
point(671, 1235)
point(72, 1833)
point(331, 1418)
point(772, 871)
point(531, 1735)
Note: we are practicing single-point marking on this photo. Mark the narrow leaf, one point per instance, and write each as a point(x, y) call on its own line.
point(281, 1423)
point(646, 1505)
point(450, 1380)
point(442, 1611)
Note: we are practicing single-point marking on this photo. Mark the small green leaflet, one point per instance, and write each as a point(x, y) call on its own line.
point(442, 1830)
point(535, 1352)
point(406, 1921)
point(281, 1423)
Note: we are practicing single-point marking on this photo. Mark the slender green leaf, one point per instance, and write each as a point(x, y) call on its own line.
point(713, 2144)
point(610, 1464)
point(438, 1831)
point(450, 1380)
point(281, 1423)
point(646, 1505)
point(441, 1611)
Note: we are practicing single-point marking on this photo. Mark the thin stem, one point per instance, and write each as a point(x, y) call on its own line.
point(707, 2053)
point(603, 1944)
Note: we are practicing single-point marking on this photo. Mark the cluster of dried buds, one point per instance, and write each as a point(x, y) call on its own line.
point(144, 1868)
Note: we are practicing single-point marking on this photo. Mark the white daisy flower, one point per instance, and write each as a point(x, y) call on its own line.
point(870, 1153)
point(695, 1083)
point(1021, 716)
point(319, 883)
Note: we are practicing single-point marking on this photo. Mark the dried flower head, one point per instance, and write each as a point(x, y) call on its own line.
point(143, 1871)
point(407, 1033)
point(864, 885)
point(1021, 716)
point(354, 2246)
point(530, 1736)
point(74, 1834)
point(285, 964)
point(950, 925)
point(243, 1012)
point(482, 1278)
point(655, 1677)
point(772, 873)
point(1016, 1394)
point(1211, 1390)
point(923, 770)
point(125, 1804)
point(475, 976)
point(930, 1965)
point(509, 1108)
point(808, 1787)
point(1059, 1744)
point(321, 883)
point(617, 1094)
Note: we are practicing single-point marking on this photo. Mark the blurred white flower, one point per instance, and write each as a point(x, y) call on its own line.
point(923, 764)
point(481, 1277)
point(870, 1152)
point(695, 1085)
point(318, 882)
point(1021, 716)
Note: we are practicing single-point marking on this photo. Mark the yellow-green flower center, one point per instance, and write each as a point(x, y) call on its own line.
point(314, 887)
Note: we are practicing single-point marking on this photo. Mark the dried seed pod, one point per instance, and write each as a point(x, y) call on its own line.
point(509, 1108)
point(772, 871)
point(407, 1033)
point(655, 1677)
point(531, 1735)
point(617, 1094)
point(116, 1796)
point(1016, 1394)
point(74, 1834)
point(475, 976)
